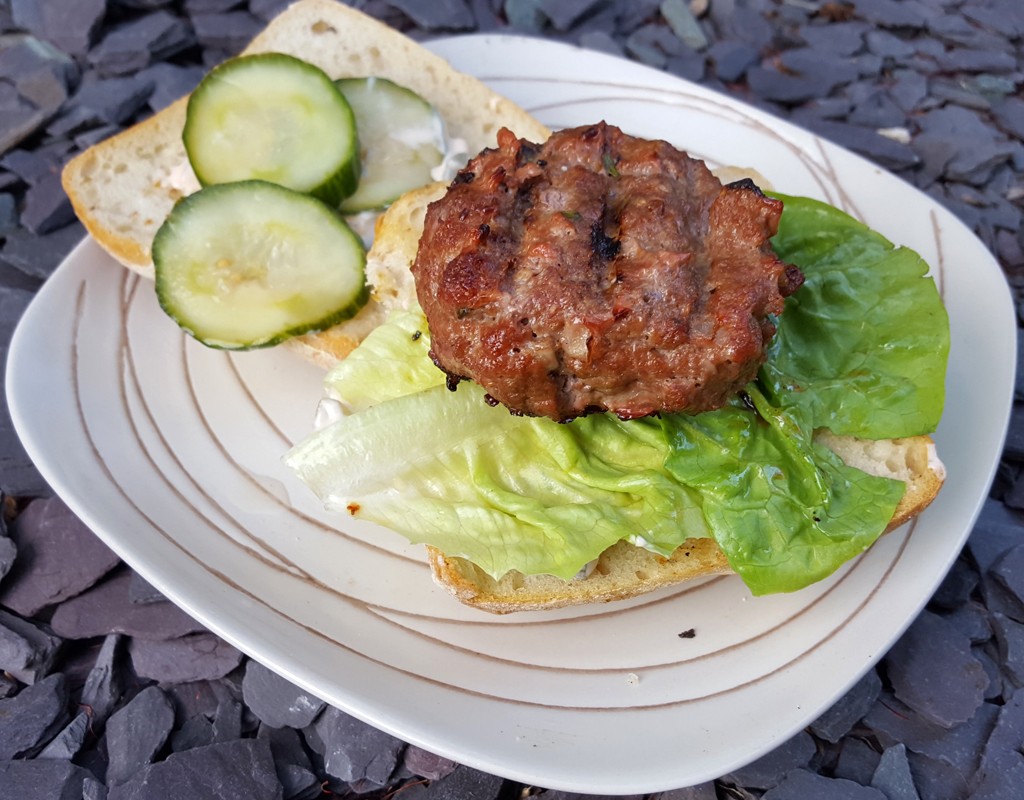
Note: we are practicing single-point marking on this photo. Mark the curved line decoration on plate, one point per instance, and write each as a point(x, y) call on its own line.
point(171, 453)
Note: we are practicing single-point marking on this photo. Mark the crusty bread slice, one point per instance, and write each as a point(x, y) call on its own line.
point(122, 189)
point(624, 570)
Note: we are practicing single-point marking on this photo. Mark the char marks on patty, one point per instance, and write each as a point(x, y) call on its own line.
point(600, 272)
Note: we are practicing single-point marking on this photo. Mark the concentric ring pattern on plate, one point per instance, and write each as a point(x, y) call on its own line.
point(171, 452)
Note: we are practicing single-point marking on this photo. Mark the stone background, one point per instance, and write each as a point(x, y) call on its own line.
point(107, 690)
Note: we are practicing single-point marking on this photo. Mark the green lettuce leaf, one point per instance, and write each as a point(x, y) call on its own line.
point(785, 511)
point(505, 492)
point(391, 361)
point(862, 346)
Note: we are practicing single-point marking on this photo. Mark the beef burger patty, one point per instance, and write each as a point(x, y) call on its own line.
point(600, 272)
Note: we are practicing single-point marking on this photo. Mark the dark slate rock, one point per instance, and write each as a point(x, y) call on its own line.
point(603, 17)
point(9, 686)
point(956, 587)
point(781, 87)
point(869, 143)
point(893, 777)
point(828, 72)
point(835, 723)
point(266, 10)
point(978, 149)
point(893, 14)
point(28, 650)
point(46, 87)
point(355, 752)
point(744, 23)
point(170, 82)
point(71, 25)
point(553, 794)
point(285, 745)
point(211, 6)
point(801, 784)
point(106, 682)
point(240, 770)
point(838, 39)
point(1002, 751)
point(137, 732)
point(464, 782)
point(857, 760)
point(653, 44)
point(933, 671)
point(452, 15)
point(936, 779)
point(227, 722)
point(908, 89)
point(684, 24)
point(37, 257)
point(294, 769)
point(961, 59)
point(601, 41)
point(878, 110)
point(8, 549)
point(229, 32)
point(68, 743)
point(525, 16)
point(997, 599)
point(298, 783)
point(1001, 784)
point(1010, 116)
point(1009, 571)
point(47, 778)
point(31, 718)
point(955, 29)
point(1005, 16)
point(37, 67)
point(1013, 447)
point(277, 701)
point(690, 66)
point(142, 592)
point(771, 768)
point(133, 45)
point(1010, 639)
point(196, 732)
point(997, 530)
point(198, 656)
point(732, 59)
point(47, 208)
point(972, 620)
point(31, 166)
point(426, 764)
point(888, 45)
point(959, 92)
point(702, 791)
point(959, 748)
point(106, 608)
point(195, 698)
point(987, 654)
point(109, 100)
point(58, 557)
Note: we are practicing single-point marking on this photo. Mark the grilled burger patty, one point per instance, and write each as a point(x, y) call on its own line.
point(600, 272)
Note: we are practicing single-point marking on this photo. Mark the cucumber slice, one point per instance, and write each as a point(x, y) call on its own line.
point(249, 264)
point(276, 118)
point(401, 138)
